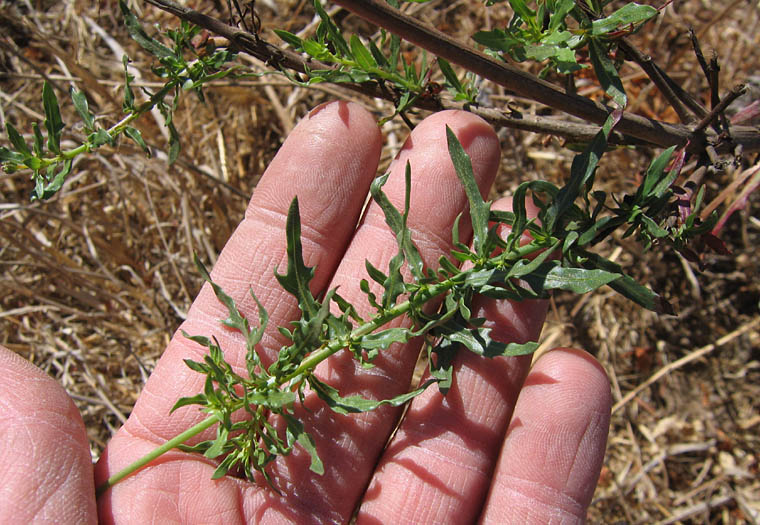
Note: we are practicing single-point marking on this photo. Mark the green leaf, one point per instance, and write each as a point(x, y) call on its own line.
point(53, 122)
point(581, 171)
point(479, 209)
point(296, 433)
point(129, 96)
point(298, 276)
point(217, 447)
point(174, 144)
point(199, 399)
point(317, 50)
point(385, 338)
point(356, 404)
point(449, 75)
point(54, 185)
point(39, 141)
point(497, 40)
point(478, 341)
point(80, 104)
point(273, 399)
point(295, 41)
point(655, 183)
point(361, 54)
point(134, 134)
point(551, 276)
point(336, 38)
point(441, 362)
point(378, 55)
point(397, 222)
point(524, 266)
point(17, 140)
point(606, 73)
point(631, 13)
point(136, 31)
point(523, 11)
point(100, 137)
point(9, 156)
point(561, 9)
point(627, 286)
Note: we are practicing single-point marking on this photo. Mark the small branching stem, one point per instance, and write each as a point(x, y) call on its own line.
point(115, 130)
point(423, 296)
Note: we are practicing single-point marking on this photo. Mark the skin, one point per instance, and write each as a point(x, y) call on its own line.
point(509, 442)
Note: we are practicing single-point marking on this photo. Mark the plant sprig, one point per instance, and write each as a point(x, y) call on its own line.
point(572, 219)
point(180, 73)
point(556, 258)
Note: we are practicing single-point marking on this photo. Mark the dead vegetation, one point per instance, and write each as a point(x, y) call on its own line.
point(95, 281)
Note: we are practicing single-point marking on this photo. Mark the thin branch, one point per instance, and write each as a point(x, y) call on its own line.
point(720, 107)
point(684, 105)
point(643, 130)
point(279, 58)
point(520, 82)
point(529, 86)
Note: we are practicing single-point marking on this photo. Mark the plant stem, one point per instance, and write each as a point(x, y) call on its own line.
point(155, 453)
point(114, 130)
point(423, 296)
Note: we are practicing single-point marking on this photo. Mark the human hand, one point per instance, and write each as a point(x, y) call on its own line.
point(480, 452)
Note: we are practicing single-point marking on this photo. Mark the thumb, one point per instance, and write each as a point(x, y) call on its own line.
point(45, 467)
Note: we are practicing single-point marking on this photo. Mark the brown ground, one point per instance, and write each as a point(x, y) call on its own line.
point(95, 281)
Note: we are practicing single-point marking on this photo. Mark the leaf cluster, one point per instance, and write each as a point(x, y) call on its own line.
point(557, 30)
point(380, 61)
point(183, 66)
point(556, 257)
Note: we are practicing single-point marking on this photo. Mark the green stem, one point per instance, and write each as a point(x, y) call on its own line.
point(310, 362)
point(114, 130)
point(155, 453)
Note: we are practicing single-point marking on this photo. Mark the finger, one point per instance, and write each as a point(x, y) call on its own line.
point(553, 452)
point(46, 465)
point(350, 445)
point(438, 466)
point(328, 161)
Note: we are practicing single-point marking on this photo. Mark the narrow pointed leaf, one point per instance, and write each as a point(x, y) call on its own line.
point(606, 73)
point(17, 140)
point(295, 41)
point(450, 75)
point(479, 210)
point(39, 141)
point(134, 134)
point(303, 438)
point(80, 104)
point(53, 122)
point(361, 54)
point(631, 13)
point(582, 169)
point(136, 31)
point(552, 276)
point(384, 338)
point(355, 404)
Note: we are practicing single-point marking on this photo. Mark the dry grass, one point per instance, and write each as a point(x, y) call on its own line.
point(95, 282)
